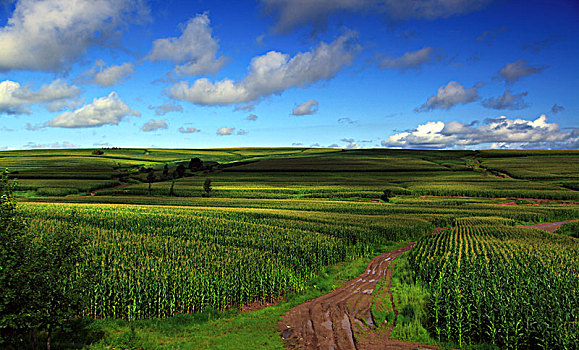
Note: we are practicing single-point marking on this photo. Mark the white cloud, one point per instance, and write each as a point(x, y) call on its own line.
point(252, 117)
point(413, 59)
point(507, 101)
point(49, 35)
point(271, 73)
point(514, 71)
point(166, 108)
point(449, 96)
point(109, 110)
point(62, 105)
point(351, 144)
point(294, 13)
point(242, 132)
point(522, 132)
point(306, 108)
point(225, 131)
point(189, 130)
point(153, 125)
point(16, 99)
point(194, 52)
point(113, 75)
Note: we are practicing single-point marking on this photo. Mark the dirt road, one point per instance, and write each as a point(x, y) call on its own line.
point(550, 227)
point(335, 320)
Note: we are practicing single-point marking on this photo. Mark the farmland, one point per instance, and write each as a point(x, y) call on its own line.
point(277, 219)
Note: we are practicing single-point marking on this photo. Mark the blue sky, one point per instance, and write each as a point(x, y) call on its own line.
point(449, 74)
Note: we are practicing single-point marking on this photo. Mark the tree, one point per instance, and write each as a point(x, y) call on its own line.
point(15, 319)
point(207, 187)
point(181, 170)
point(57, 295)
point(38, 277)
point(195, 164)
point(150, 179)
point(175, 175)
point(166, 170)
point(386, 196)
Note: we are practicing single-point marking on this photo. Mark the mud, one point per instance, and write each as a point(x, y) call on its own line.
point(550, 227)
point(342, 319)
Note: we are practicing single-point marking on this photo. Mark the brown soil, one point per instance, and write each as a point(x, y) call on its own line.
point(342, 319)
point(550, 227)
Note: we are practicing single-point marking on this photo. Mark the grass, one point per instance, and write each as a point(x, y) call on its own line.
point(411, 299)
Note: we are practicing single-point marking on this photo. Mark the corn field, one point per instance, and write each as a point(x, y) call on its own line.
point(146, 261)
point(512, 287)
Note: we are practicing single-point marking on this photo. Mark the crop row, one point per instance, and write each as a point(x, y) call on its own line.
point(512, 287)
point(146, 261)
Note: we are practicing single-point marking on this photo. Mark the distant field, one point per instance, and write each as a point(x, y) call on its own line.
point(301, 173)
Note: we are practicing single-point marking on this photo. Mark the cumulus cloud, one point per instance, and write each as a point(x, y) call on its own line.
point(109, 110)
point(306, 108)
point(113, 75)
point(49, 35)
point(225, 131)
point(272, 73)
point(291, 14)
point(252, 117)
point(507, 101)
point(500, 130)
point(449, 96)
point(166, 108)
point(556, 108)
point(153, 125)
point(189, 130)
point(350, 144)
point(194, 52)
point(16, 99)
point(409, 60)
point(514, 71)
point(62, 105)
point(297, 144)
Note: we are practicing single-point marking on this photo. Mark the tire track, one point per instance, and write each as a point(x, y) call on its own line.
point(334, 321)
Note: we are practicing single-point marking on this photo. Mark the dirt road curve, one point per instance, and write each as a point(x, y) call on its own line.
point(551, 226)
point(334, 321)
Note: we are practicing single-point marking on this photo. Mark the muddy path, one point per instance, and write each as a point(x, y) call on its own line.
point(550, 226)
point(340, 319)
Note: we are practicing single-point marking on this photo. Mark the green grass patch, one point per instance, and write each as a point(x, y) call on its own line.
point(411, 299)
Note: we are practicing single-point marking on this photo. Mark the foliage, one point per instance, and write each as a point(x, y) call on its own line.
point(207, 186)
point(14, 317)
point(570, 229)
point(506, 286)
point(156, 261)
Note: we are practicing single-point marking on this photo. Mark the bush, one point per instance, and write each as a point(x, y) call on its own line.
point(569, 229)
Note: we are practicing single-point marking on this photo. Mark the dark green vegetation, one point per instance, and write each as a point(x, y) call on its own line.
point(39, 287)
point(494, 283)
point(273, 220)
point(570, 229)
